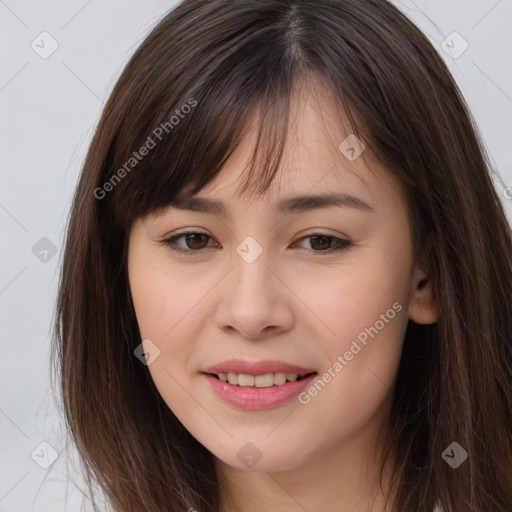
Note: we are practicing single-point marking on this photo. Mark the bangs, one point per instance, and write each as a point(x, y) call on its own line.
point(193, 152)
point(176, 134)
point(197, 131)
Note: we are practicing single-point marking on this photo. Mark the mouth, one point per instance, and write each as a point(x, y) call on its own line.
point(258, 385)
point(255, 392)
point(266, 380)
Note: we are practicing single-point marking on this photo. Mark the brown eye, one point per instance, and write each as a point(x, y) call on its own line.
point(196, 241)
point(324, 243)
point(321, 242)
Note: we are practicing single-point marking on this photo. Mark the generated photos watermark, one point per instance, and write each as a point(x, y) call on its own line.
point(343, 360)
point(137, 156)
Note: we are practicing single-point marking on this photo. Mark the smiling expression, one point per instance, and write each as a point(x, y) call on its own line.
point(284, 280)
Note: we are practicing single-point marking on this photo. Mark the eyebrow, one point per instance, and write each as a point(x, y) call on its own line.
point(287, 205)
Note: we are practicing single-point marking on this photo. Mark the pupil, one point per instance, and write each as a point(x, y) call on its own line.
point(196, 235)
point(322, 237)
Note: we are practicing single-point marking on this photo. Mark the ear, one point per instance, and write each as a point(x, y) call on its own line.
point(423, 307)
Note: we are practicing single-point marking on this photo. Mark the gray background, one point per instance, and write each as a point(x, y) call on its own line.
point(48, 110)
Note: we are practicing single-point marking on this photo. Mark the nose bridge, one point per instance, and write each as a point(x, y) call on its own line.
point(252, 301)
point(251, 274)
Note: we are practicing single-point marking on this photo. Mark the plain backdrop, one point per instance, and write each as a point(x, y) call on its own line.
point(49, 106)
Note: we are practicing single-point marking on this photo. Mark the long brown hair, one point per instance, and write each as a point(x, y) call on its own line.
point(186, 95)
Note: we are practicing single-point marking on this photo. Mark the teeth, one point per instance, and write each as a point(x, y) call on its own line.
point(244, 380)
point(259, 381)
point(279, 378)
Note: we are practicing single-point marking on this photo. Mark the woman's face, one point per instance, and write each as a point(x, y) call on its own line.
point(272, 282)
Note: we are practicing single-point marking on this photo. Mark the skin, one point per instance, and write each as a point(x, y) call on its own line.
point(212, 306)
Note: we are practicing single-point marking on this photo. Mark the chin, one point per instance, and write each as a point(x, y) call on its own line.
point(260, 456)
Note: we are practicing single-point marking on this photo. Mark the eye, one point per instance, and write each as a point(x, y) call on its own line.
point(322, 243)
point(196, 242)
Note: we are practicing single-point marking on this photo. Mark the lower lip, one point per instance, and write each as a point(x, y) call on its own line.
point(258, 398)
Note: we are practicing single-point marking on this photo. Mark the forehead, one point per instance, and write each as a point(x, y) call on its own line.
point(321, 155)
point(315, 162)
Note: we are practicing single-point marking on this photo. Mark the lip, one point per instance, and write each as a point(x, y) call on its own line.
point(258, 398)
point(257, 367)
point(247, 398)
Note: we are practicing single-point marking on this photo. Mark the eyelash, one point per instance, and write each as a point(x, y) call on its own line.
point(171, 243)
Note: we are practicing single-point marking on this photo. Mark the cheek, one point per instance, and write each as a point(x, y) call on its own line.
point(347, 302)
point(169, 317)
point(168, 311)
point(160, 296)
point(361, 354)
point(157, 303)
point(363, 309)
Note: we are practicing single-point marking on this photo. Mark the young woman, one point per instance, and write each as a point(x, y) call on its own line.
point(287, 279)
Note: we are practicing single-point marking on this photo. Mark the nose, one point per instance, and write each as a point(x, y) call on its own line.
point(255, 302)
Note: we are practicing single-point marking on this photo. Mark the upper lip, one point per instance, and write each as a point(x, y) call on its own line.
point(257, 367)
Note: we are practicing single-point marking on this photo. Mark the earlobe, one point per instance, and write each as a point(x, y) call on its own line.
point(423, 307)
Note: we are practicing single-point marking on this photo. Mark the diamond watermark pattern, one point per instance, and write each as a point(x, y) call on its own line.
point(454, 45)
point(147, 352)
point(249, 455)
point(351, 147)
point(44, 45)
point(249, 249)
point(454, 455)
point(44, 250)
point(44, 455)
